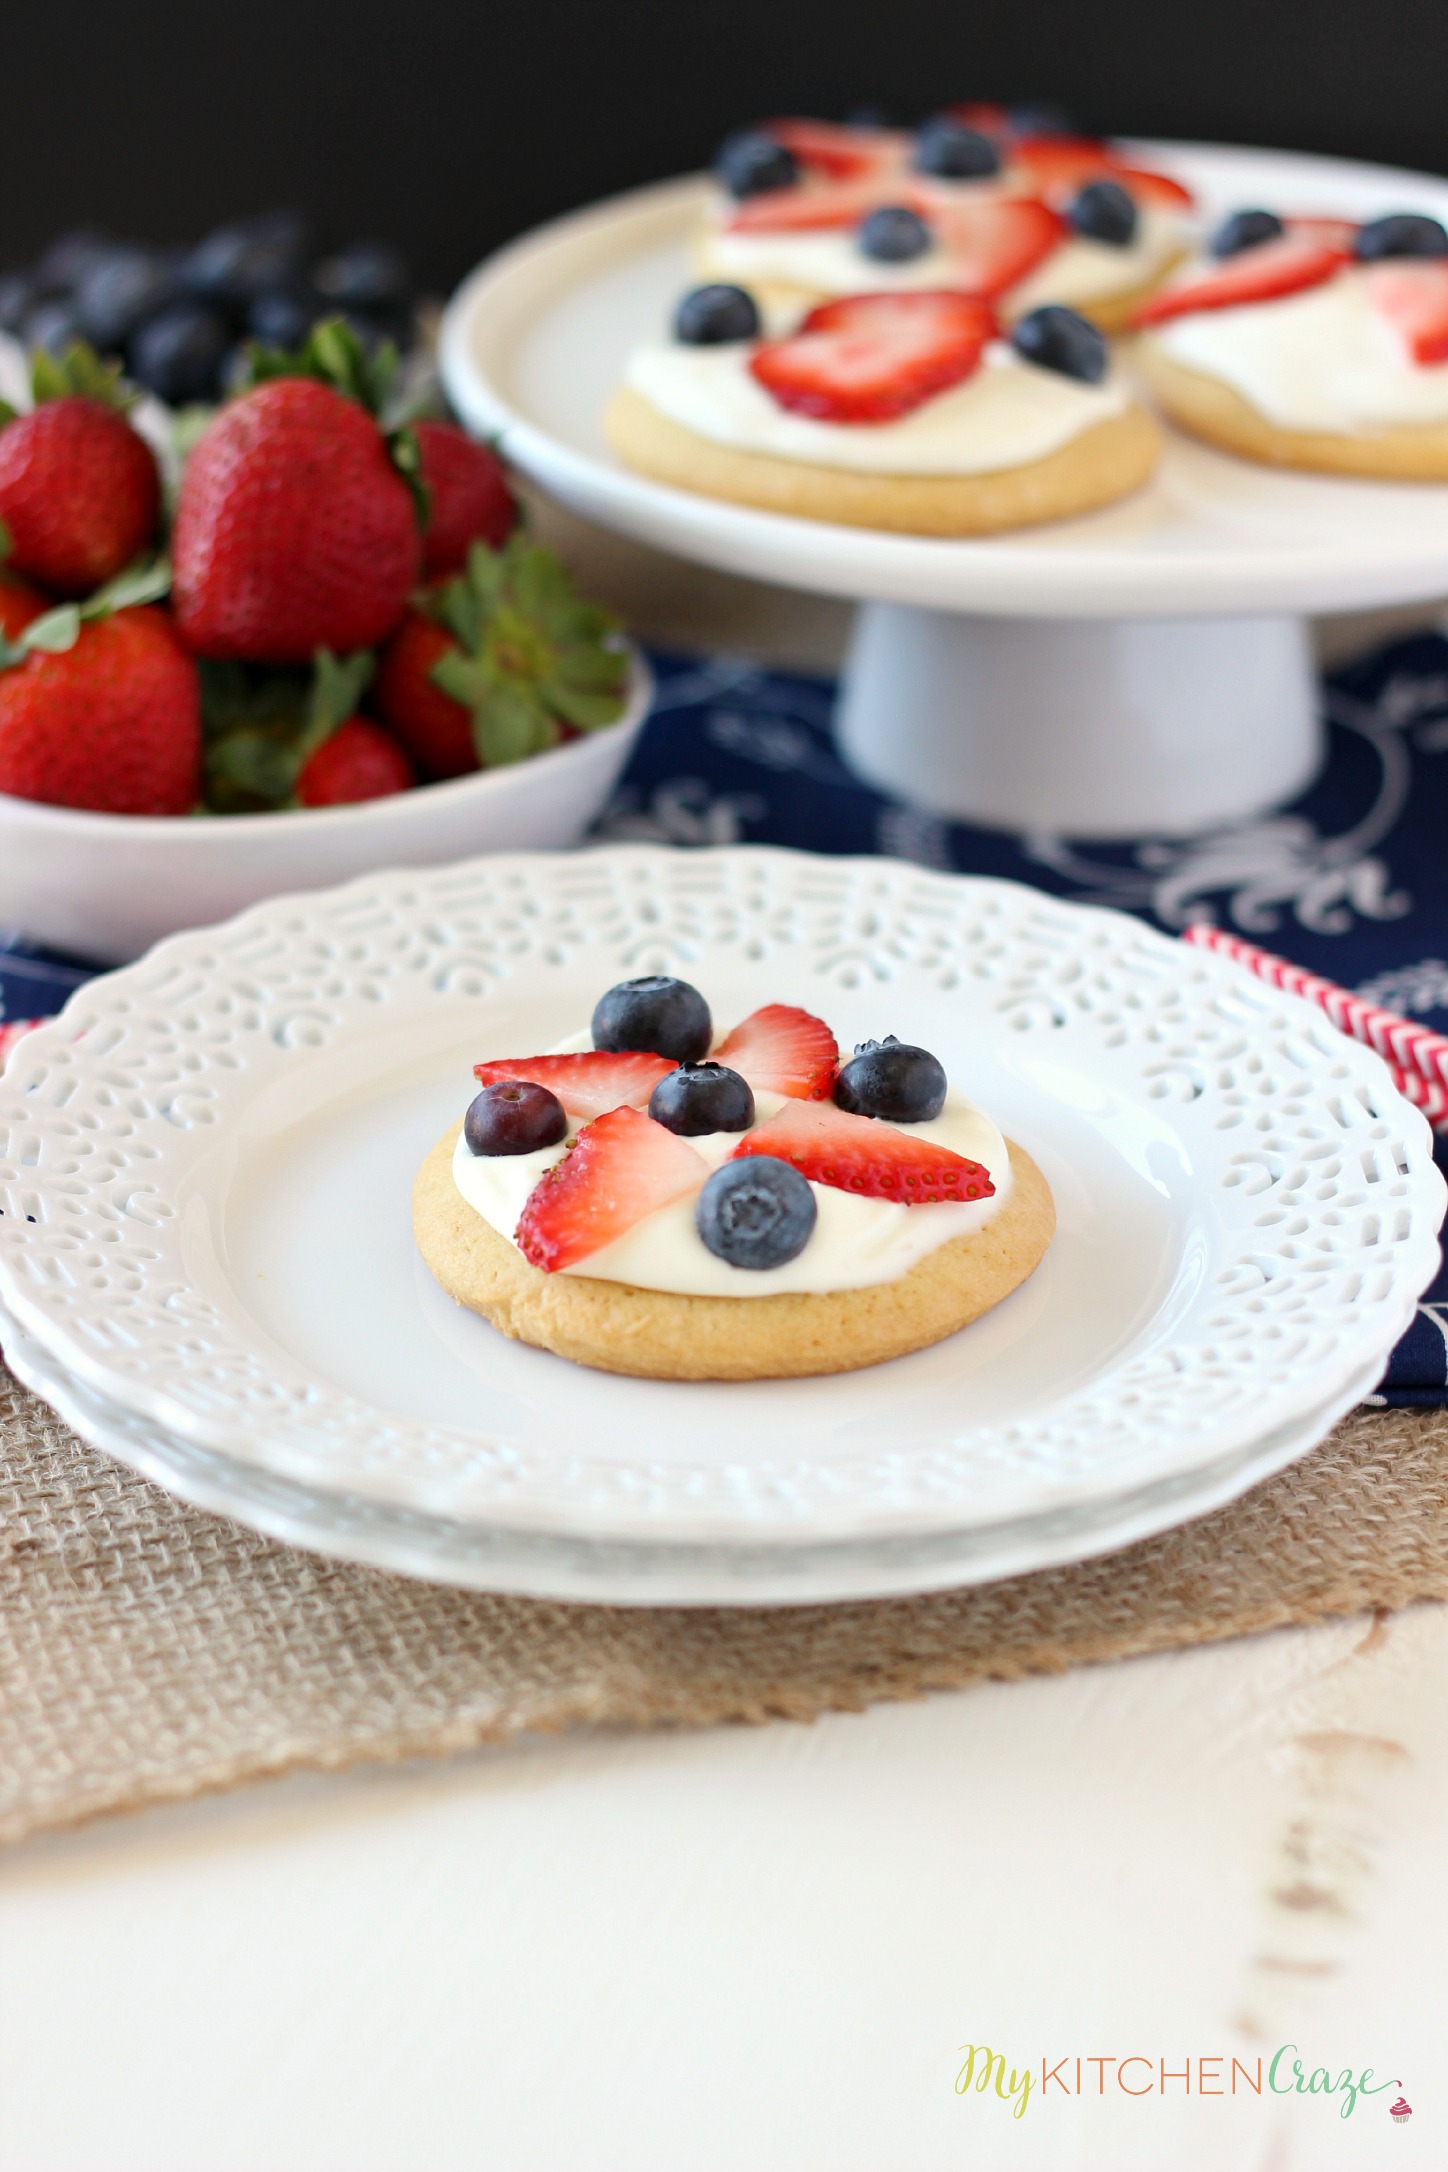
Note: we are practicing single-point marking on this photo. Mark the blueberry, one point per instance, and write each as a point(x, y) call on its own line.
point(758, 1212)
point(748, 163)
point(514, 1117)
point(178, 355)
point(118, 293)
point(1244, 229)
point(282, 316)
point(1401, 233)
point(235, 263)
point(1104, 211)
point(1055, 338)
point(1042, 119)
point(892, 1079)
point(52, 325)
point(68, 259)
point(17, 299)
point(368, 276)
point(894, 235)
point(716, 316)
point(667, 1017)
point(702, 1097)
point(955, 152)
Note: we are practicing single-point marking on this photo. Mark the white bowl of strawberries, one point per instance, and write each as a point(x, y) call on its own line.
point(350, 657)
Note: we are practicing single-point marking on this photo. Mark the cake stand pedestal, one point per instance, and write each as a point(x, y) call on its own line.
point(1097, 728)
point(1145, 669)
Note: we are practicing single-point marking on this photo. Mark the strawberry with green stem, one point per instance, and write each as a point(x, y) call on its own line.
point(501, 663)
point(288, 739)
point(80, 492)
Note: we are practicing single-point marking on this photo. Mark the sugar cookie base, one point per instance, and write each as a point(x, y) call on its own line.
point(1209, 408)
point(1104, 463)
point(618, 1328)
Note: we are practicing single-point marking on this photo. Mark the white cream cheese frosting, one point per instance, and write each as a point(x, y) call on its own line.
point(832, 262)
point(1007, 413)
point(1321, 360)
point(855, 1241)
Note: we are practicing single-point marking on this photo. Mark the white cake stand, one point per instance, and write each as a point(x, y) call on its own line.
point(1144, 669)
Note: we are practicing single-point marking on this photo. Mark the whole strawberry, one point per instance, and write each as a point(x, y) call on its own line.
point(468, 499)
point(504, 661)
point(358, 761)
point(80, 495)
point(112, 722)
point(436, 730)
point(294, 529)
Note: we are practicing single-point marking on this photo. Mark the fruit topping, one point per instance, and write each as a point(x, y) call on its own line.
point(894, 235)
point(1155, 188)
point(856, 1154)
point(783, 1050)
point(357, 760)
point(1413, 297)
point(668, 1017)
point(1057, 338)
point(892, 1079)
point(110, 722)
point(784, 211)
point(995, 241)
point(468, 499)
point(750, 163)
point(516, 1116)
point(1244, 230)
point(953, 151)
point(1401, 233)
point(873, 358)
point(716, 316)
point(1060, 164)
point(757, 1213)
point(1261, 273)
point(699, 1098)
point(80, 494)
point(844, 153)
point(588, 1083)
point(294, 529)
point(1104, 211)
point(620, 1168)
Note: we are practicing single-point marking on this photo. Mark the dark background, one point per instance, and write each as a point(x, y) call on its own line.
point(447, 125)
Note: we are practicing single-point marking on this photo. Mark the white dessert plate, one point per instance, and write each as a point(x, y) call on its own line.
point(535, 340)
point(205, 1165)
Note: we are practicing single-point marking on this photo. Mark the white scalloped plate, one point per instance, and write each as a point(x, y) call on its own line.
point(205, 1164)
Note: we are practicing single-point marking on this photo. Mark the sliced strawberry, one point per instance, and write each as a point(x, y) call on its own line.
point(875, 371)
point(1061, 164)
point(1259, 274)
point(857, 1154)
point(621, 1167)
point(994, 241)
point(845, 154)
point(810, 210)
point(783, 1050)
point(945, 307)
point(1413, 296)
point(589, 1083)
point(1328, 233)
point(1153, 188)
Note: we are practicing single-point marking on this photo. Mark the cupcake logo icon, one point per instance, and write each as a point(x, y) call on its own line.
point(1401, 2112)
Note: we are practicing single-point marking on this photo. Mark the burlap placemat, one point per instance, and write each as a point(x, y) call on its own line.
point(148, 1652)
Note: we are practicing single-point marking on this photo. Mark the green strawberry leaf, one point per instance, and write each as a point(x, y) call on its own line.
point(585, 712)
point(509, 724)
point(54, 631)
point(457, 675)
point(252, 765)
point(145, 580)
point(7, 413)
point(79, 369)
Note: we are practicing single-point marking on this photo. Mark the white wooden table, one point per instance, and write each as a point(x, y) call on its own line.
point(764, 1949)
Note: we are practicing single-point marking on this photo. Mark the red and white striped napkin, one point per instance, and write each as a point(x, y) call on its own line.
point(1417, 1058)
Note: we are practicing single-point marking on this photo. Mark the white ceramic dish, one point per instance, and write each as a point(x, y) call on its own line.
point(555, 1564)
point(216, 1147)
point(1145, 669)
point(108, 886)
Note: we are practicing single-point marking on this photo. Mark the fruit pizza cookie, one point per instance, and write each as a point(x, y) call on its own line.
point(1012, 210)
point(660, 1200)
point(912, 409)
point(1310, 343)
